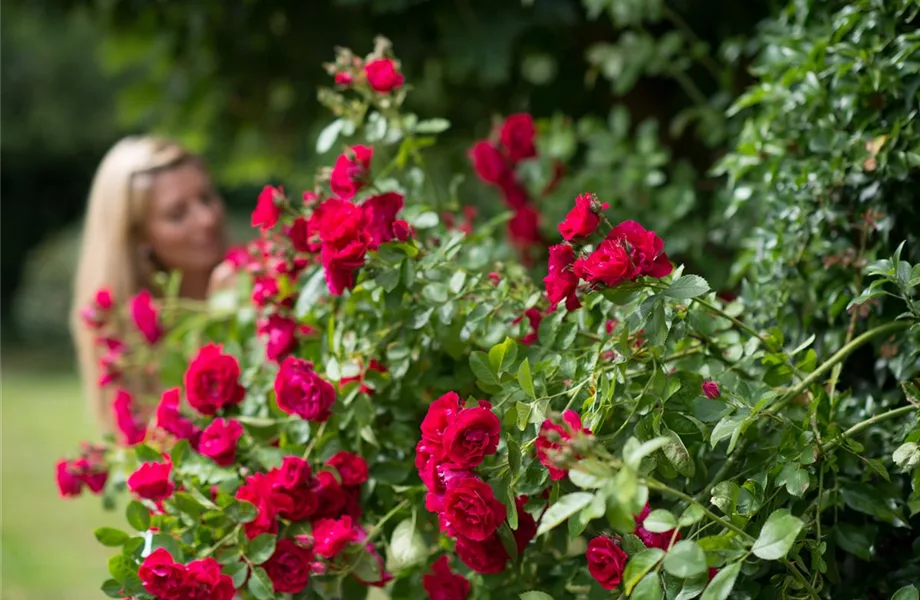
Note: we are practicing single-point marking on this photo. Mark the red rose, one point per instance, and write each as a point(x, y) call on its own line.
point(264, 289)
point(300, 391)
point(609, 264)
point(212, 380)
point(711, 389)
point(440, 413)
point(68, 479)
point(204, 581)
point(259, 490)
point(268, 208)
point(299, 234)
point(294, 471)
point(343, 78)
point(219, 440)
point(151, 481)
point(442, 584)
point(338, 222)
point(527, 526)
point(471, 436)
point(145, 317)
point(606, 561)
point(514, 193)
point(380, 213)
point(561, 281)
point(534, 317)
point(294, 479)
point(351, 467)
point(471, 509)
point(546, 447)
point(402, 231)
point(131, 427)
point(94, 315)
point(330, 536)
point(171, 421)
point(581, 220)
point(486, 557)
point(653, 540)
point(517, 136)
point(103, 299)
point(340, 265)
point(162, 576)
point(280, 333)
point(289, 567)
point(646, 250)
point(330, 497)
point(489, 163)
point(383, 76)
point(349, 174)
point(109, 362)
point(440, 478)
point(524, 227)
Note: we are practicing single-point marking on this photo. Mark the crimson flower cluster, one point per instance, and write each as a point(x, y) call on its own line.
point(89, 471)
point(553, 438)
point(166, 579)
point(494, 161)
point(455, 440)
point(627, 252)
point(381, 74)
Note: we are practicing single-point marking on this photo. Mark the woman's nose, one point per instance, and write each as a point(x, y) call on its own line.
point(208, 215)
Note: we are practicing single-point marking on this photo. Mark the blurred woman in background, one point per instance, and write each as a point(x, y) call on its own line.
point(153, 208)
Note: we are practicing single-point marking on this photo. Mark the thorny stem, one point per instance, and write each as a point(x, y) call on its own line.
point(896, 412)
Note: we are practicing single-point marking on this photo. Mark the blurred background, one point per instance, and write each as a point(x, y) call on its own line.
point(632, 94)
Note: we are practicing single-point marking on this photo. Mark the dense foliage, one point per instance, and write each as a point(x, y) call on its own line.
point(390, 399)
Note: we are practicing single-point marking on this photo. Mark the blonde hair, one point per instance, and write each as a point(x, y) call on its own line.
point(110, 251)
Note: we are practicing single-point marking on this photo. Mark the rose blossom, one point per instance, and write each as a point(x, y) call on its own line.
point(351, 467)
point(204, 581)
point(219, 440)
point(609, 264)
point(343, 78)
point(68, 480)
point(383, 76)
point(561, 282)
point(350, 171)
point(711, 389)
point(281, 335)
point(581, 220)
point(646, 249)
point(330, 496)
point(341, 265)
point(524, 227)
point(471, 509)
point(258, 489)
point(289, 567)
point(171, 421)
point(131, 427)
point(489, 163)
point(440, 413)
point(151, 481)
point(527, 526)
point(161, 575)
point(606, 561)
point(571, 424)
point(300, 391)
point(402, 231)
point(332, 535)
point(145, 317)
point(380, 214)
point(442, 584)
point(267, 208)
point(517, 137)
point(471, 436)
point(212, 380)
point(486, 557)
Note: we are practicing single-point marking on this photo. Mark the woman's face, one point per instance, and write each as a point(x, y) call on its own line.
point(185, 220)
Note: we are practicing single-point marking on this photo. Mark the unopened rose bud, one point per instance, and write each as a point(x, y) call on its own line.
point(402, 230)
point(711, 389)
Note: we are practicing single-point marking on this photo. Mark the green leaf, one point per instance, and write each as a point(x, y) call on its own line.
point(112, 589)
point(121, 567)
point(794, 477)
point(501, 356)
point(238, 572)
point(525, 378)
point(407, 547)
point(660, 521)
point(534, 595)
point(721, 585)
point(147, 454)
point(677, 454)
point(261, 548)
point(691, 515)
point(688, 286)
point(260, 585)
point(562, 509)
point(138, 516)
point(311, 292)
point(777, 536)
point(685, 559)
point(908, 592)
point(479, 363)
point(435, 293)
point(242, 511)
point(634, 452)
point(179, 452)
point(109, 536)
point(639, 565)
point(648, 589)
point(328, 135)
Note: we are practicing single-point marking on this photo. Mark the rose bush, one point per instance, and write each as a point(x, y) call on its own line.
point(390, 400)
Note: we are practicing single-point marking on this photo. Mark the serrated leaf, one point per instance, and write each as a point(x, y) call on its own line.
point(794, 477)
point(109, 536)
point(562, 509)
point(260, 585)
point(908, 592)
point(328, 136)
point(479, 363)
point(407, 547)
point(311, 292)
point(721, 585)
point(659, 521)
point(534, 595)
point(634, 452)
point(138, 516)
point(691, 515)
point(677, 454)
point(688, 286)
point(685, 559)
point(501, 356)
point(261, 548)
point(639, 565)
point(648, 589)
point(237, 571)
point(525, 379)
point(777, 536)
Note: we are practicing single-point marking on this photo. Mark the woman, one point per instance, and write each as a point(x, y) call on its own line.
point(153, 207)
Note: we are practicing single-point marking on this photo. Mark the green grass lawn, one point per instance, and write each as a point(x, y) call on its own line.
point(49, 551)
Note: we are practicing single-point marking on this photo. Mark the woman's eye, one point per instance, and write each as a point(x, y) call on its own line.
point(176, 216)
